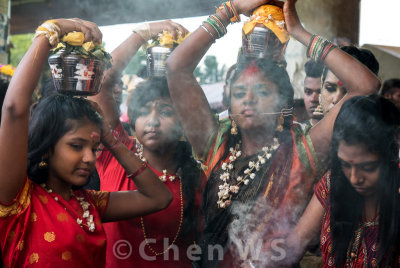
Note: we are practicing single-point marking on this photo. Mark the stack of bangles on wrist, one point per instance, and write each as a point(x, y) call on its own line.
point(319, 48)
point(137, 172)
point(50, 30)
point(217, 24)
point(230, 9)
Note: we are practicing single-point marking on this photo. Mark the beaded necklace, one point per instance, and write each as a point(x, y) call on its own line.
point(163, 178)
point(139, 154)
point(231, 186)
point(358, 238)
point(85, 208)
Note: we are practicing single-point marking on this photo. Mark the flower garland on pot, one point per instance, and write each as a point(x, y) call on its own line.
point(74, 42)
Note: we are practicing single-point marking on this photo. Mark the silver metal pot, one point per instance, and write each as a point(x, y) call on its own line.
point(263, 43)
point(156, 59)
point(74, 74)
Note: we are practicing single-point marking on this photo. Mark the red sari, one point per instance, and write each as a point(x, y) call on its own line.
point(364, 253)
point(36, 230)
point(126, 244)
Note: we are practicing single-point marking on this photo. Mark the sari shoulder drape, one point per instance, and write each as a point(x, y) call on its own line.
point(41, 229)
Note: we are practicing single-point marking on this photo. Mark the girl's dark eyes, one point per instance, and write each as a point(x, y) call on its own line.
point(261, 92)
point(369, 167)
point(76, 146)
point(144, 111)
point(163, 112)
point(257, 92)
point(239, 95)
point(345, 164)
point(330, 88)
point(364, 167)
point(167, 112)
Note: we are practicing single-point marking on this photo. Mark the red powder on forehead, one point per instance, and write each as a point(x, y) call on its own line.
point(340, 83)
point(95, 136)
point(252, 69)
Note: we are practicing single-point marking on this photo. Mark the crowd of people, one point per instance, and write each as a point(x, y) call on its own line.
point(180, 186)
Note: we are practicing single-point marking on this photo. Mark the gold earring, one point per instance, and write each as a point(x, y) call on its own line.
point(234, 130)
point(43, 164)
point(281, 120)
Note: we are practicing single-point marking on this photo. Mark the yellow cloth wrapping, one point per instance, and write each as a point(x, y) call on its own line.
point(272, 18)
point(77, 39)
point(167, 40)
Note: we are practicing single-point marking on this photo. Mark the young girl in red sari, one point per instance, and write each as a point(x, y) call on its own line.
point(357, 204)
point(46, 218)
point(161, 239)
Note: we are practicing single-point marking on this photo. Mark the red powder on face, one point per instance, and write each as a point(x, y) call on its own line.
point(340, 83)
point(95, 136)
point(252, 69)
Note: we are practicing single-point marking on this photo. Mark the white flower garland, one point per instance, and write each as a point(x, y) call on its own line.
point(85, 208)
point(139, 154)
point(226, 190)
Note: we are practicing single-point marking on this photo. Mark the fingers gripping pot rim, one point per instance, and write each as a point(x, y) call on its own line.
point(264, 35)
point(78, 68)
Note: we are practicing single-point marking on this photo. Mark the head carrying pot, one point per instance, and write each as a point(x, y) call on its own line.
point(77, 68)
point(264, 36)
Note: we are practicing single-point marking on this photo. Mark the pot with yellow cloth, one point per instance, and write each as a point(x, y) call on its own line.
point(159, 51)
point(77, 68)
point(264, 35)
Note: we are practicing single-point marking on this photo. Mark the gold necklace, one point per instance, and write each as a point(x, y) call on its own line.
point(163, 178)
point(177, 233)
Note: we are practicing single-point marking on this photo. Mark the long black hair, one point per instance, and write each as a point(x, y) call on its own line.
point(147, 91)
point(50, 120)
point(372, 122)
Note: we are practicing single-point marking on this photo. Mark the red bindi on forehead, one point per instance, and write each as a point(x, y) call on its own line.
point(95, 136)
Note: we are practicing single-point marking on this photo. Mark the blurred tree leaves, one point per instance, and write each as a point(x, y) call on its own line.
point(20, 44)
point(210, 72)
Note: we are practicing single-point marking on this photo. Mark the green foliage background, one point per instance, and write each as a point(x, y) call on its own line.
point(20, 44)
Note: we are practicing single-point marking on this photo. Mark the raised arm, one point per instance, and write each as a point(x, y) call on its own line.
point(190, 102)
point(15, 110)
point(121, 56)
point(357, 78)
point(151, 194)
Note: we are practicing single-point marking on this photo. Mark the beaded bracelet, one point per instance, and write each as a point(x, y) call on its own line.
point(50, 30)
point(137, 172)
